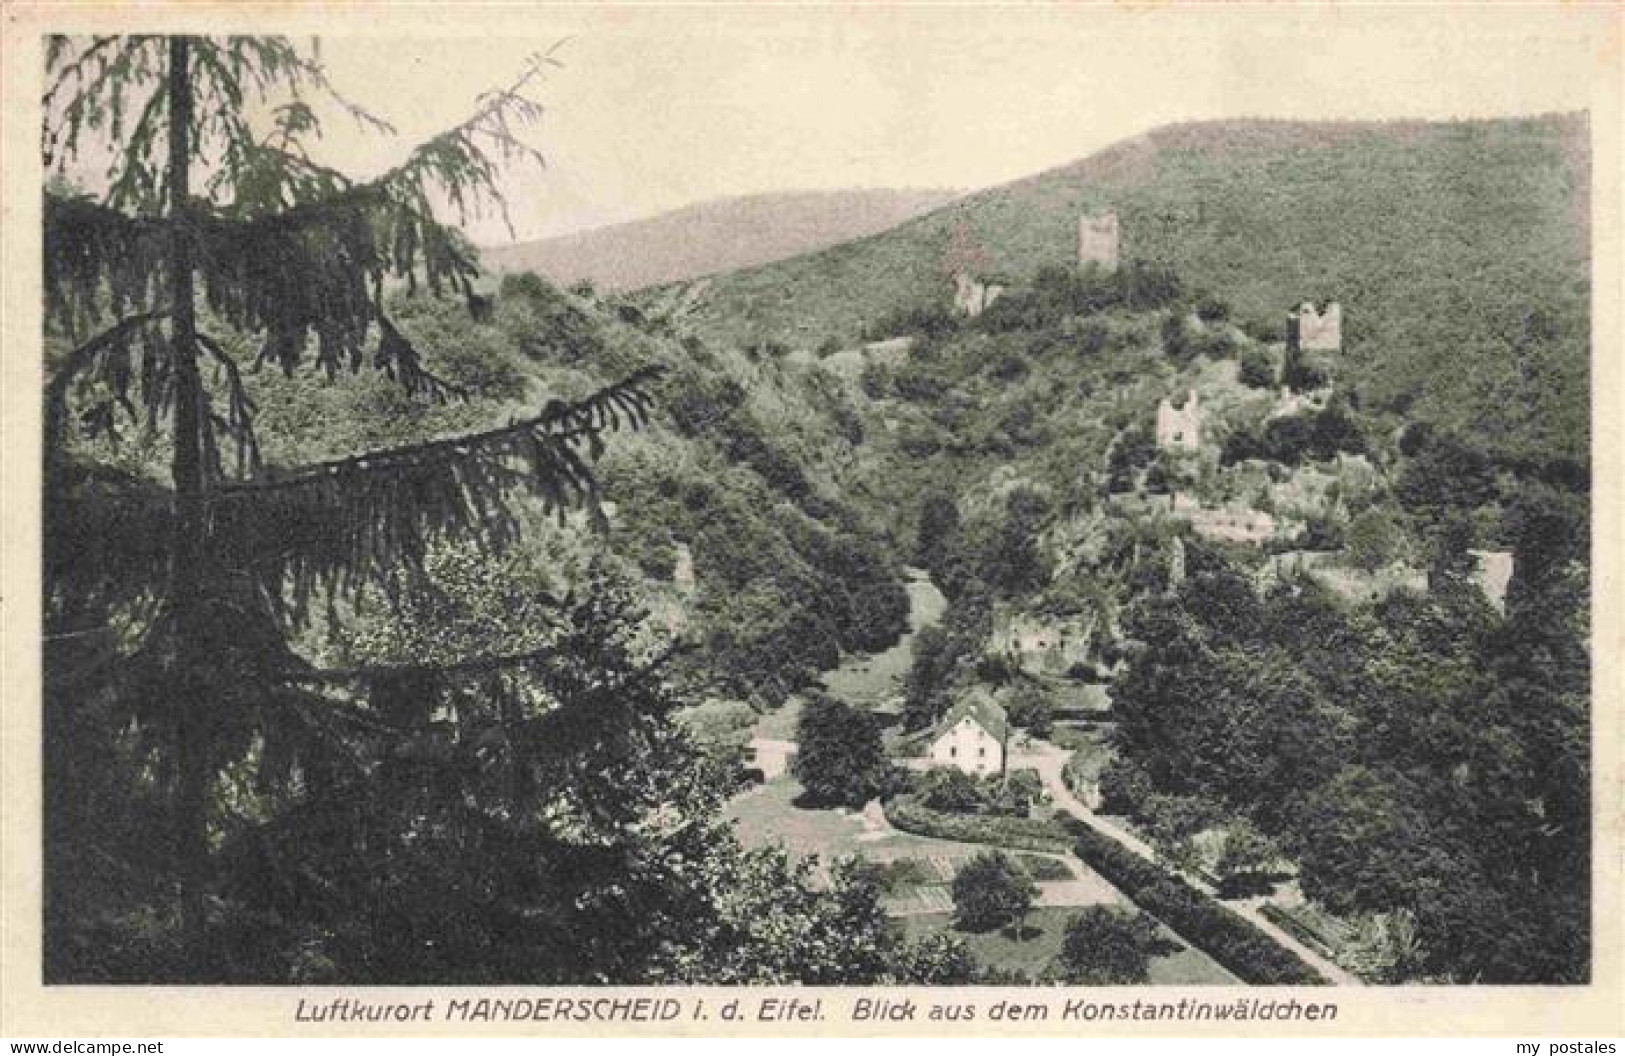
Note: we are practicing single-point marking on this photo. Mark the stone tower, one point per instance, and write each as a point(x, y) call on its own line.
point(1314, 331)
point(1098, 239)
point(973, 295)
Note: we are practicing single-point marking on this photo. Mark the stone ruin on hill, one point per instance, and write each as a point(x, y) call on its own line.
point(1099, 236)
point(1312, 331)
point(1180, 428)
point(973, 296)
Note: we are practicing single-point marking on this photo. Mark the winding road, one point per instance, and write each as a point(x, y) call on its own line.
point(1050, 762)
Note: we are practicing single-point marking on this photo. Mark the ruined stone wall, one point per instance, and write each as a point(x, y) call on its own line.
point(1180, 428)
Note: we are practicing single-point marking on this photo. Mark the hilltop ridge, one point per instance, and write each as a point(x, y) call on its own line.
point(1424, 230)
point(715, 236)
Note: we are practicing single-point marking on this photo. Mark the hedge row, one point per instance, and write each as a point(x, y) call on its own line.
point(1295, 927)
point(1227, 938)
point(1025, 834)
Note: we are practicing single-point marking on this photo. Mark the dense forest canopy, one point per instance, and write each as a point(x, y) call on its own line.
point(1460, 251)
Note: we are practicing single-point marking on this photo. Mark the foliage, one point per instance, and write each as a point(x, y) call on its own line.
point(840, 760)
point(1246, 855)
point(1010, 560)
point(1029, 834)
point(1374, 540)
point(1296, 438)
point(1125, 788)
point(991, 891)
point(951, 789)
point(1108, 946)
point(1404, 758)
point(1030, 708)
point(551, 327)
point(1222, 935)
point(1133, 451)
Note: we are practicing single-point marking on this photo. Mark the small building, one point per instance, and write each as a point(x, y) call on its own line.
point(1099, 238)
point(1492, 574)
point(1313, 331)
point(972, 737)
point(1180, 428)
point(973, 294)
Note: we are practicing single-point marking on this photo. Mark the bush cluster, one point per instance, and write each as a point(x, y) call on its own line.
point(1027, 834)
point(1227, 938)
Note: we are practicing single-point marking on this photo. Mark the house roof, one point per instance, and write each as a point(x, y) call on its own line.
point(979, 706)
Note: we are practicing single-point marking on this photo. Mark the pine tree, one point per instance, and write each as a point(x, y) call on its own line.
point(202, 580)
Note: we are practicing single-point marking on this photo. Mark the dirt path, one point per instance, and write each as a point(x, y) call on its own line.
point(1050, 765)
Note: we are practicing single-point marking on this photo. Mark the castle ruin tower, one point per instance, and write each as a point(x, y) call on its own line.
point(1313, 331)
point(1098, 240)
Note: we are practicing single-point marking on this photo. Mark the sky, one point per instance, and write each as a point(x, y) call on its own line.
point(656, 108)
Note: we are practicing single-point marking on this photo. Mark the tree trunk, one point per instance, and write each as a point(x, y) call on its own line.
point(187, 556)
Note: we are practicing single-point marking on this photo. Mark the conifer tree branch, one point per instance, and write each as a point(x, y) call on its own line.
point(80, 358)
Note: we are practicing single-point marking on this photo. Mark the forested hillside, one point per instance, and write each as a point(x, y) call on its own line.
point(713, 237)
point(1459, 251)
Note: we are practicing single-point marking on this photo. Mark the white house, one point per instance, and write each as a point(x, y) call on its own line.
point(971, 737)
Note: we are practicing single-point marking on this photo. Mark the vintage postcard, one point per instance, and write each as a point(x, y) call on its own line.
point(811, 520)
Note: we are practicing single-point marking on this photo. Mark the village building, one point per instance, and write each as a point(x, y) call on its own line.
point(1492, 574)
point(972, 737)
point(1180, 428)
point(1312, 331)
point(1099, 238)
point(973, 295)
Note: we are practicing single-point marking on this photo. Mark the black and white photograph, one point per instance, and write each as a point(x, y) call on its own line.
point(1048, 498)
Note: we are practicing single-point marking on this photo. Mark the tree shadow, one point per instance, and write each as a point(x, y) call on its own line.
point(1246, 885)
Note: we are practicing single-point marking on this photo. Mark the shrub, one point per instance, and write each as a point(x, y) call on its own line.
point(1031, 709)
point(1027, 834)
point(1245, 859)
point(951, 790)
point(1176, 337)
point(1211, 309)
point(840, 759)
point(1042, 869)
point(1108, 946)
point(1220, 933)
point(901, 873)
point(991, 891)
point(1093, 337)
point(1257, 369)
